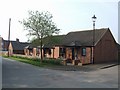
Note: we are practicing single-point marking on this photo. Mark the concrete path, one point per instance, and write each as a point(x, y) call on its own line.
point(20, 75)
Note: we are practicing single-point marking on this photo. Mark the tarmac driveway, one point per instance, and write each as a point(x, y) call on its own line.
point(20, 75)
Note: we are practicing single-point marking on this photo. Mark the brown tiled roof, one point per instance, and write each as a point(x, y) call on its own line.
point(15, 44)
point(19, 45)
point(83, 38)
point(78, 38)
point(49, 42)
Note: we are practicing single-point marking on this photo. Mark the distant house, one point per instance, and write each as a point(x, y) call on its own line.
point(0, 45)
point(5, 44)
point(79, 46)
point(15, 47)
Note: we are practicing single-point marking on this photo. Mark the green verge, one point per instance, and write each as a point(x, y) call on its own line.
point(36, 61)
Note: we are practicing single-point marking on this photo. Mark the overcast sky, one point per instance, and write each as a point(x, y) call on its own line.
point(69, 15)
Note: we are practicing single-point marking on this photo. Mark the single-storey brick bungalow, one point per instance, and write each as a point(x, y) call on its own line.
point(79, 46)
point(15, 47)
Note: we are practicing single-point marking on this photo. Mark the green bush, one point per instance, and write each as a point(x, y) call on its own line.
point(51, 61)
point(46, 61)
point(36, 61)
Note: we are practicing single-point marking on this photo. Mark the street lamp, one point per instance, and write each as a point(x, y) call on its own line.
point(9, 37)
point(93, 19)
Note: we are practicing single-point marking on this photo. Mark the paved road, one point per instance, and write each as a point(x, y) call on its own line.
point(21, 75)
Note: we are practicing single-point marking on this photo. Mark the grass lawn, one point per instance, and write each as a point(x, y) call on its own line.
point(36, 61)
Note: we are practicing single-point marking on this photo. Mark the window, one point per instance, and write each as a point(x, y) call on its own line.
point(83, 51)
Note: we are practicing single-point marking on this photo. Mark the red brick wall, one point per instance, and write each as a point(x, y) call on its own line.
point(106, 49)
point(56, 52)
point(86, 59)
point(83, 59)
point(34, 52)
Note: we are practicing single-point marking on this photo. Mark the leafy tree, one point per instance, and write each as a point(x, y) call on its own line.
point(40, 25)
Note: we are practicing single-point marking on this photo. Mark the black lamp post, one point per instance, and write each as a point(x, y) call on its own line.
point(94, 19)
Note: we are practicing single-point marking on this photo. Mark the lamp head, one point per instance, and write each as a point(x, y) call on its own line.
point(94, 18)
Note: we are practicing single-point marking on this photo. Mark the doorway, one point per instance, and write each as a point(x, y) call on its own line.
point(73, 53)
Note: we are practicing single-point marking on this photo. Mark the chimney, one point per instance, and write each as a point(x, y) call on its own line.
point(17, 40)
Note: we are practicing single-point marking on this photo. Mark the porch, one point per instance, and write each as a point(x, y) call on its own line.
point(71, 55)
point(76, 55)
